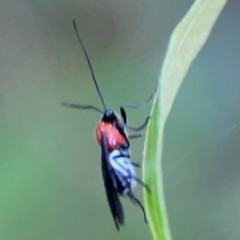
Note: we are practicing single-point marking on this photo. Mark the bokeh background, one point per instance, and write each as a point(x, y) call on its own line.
point(50, 179)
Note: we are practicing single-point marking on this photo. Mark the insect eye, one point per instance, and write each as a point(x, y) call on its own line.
point(109, 113)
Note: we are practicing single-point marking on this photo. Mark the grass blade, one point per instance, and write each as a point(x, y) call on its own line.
point(186, 41)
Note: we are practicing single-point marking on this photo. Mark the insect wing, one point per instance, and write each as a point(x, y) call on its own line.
point(110, 186)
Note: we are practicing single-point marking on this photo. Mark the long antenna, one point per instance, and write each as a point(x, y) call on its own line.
point(90, 65)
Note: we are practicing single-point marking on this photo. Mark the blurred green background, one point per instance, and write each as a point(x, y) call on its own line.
point(50, 179)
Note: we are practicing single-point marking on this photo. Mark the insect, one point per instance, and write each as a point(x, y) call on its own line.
point(118, 172)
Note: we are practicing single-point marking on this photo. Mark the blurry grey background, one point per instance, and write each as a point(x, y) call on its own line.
point(50, 179)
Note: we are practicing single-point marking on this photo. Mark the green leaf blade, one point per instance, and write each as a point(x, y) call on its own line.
point(186, 41)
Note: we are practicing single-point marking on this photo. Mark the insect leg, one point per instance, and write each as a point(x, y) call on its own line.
point(135, 136)
point(122, 108)
point(135, 164)
point(137, 129)
point(135, 201)
point(130, 176)
point(124, 153)
point(123, 114)
point(132, 106)
point(84, 107)
point(141, 183)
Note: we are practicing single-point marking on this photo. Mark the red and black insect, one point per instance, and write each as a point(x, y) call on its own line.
point(118, 171)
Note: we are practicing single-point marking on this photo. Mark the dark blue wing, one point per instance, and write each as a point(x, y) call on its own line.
point(111, 186)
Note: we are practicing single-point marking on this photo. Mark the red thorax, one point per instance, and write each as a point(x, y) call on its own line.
point(113, 136)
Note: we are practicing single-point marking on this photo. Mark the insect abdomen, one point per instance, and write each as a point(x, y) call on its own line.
point(123, 170)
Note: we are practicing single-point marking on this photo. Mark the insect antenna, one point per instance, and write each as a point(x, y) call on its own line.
point(90, 65)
